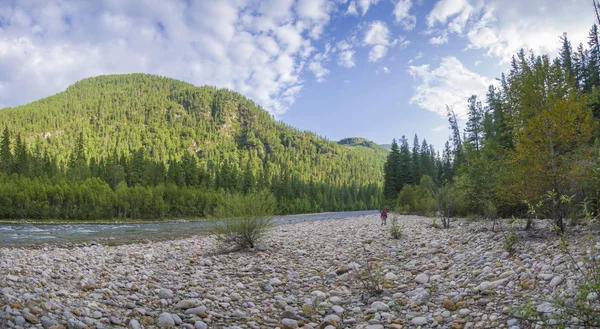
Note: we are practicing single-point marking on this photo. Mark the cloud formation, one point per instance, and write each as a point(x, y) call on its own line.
point(402, 14)
point(449, 84)
point(501, 27)
point(257, 48)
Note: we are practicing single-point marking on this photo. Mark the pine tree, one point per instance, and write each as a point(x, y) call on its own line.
point(455, 137)
point(474, 129)
point(392, 175)
point(416, 163)
point(6, 156)
point(566, 56)
point(405, 162)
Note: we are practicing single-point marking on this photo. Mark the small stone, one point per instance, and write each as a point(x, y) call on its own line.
point(449, 305)
point(337, 309)
point(275, 282)
point(31, 318)
point(464, 312)
point(380, 306)
point(556, 281)
point(289, 323)
point(200, 325)
point(147, 320)
point(165, 293)
point(11, 277)
point(134, 324)
point(20, 321)
point(185, 304)
point(389, 276)
point(422, 278)
point(196, 310)
point(419, 321)
point(165, 320)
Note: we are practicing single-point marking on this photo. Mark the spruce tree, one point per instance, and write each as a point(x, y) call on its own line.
point(6, 156)
point(474, 128)
point(392, 178)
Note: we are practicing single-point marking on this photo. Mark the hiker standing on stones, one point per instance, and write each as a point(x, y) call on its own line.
point(383, 215)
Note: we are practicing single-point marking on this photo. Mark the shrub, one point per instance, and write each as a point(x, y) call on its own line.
point(370, 279)
point(395, 229)
point(242, 220)
point(573, 308)
point(510, 242)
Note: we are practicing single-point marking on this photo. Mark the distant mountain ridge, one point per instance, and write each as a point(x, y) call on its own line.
point(119, 114)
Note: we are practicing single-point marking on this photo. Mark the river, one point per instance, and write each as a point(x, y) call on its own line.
point(17, 235)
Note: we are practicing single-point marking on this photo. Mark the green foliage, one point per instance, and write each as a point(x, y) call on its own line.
point(242, 220)
point(395, 229)
point(510, 242)
point(176, 144)
point(416, 199)
point(370, 280)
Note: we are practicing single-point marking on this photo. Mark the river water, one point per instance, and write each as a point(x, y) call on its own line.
point(14, 235)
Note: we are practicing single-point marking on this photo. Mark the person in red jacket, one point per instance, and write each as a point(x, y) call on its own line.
point(383, 215)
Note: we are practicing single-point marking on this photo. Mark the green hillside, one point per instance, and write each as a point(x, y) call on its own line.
point(176, 133)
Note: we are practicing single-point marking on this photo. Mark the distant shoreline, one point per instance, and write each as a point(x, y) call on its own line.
point(135, 221)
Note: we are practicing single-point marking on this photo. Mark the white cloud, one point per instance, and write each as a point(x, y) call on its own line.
point(257, 48)
point(318, 70)
point(402, 15)
point(417, 57)
point(352, 9)
point(377, 53)
point(346, 59)
point(449, 84)
point(378, 36)
point(440, 39)
point(502, 27)
point(365, 4)
point(386, 70)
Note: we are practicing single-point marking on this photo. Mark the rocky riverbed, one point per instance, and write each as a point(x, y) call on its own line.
point(305, 276)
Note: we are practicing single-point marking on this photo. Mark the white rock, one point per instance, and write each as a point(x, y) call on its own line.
point(380, 306)
point(389, 276)
point(556, 281)
point(419, 321)
point(165, 293)
point(422, 278)
point(165, 320)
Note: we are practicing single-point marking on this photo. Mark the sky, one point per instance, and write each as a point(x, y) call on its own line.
point(378, 69)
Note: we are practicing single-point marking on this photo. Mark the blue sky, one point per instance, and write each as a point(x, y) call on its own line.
point(378, 69)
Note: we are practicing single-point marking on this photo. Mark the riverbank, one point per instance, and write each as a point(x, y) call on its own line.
point(128, 220)
point(305, 276)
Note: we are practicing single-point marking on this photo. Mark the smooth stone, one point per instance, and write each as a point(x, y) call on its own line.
point(556, 281)
point(165, 293)
point(422, 278)
point(289, 323)
point(337, 309)
point(389, 276)
point(200, 325)
point(165, 320)
point(419, 321)
point(380, 306)
point(20, 321)
point(134, 324)
point(195, 310)
point(185, 304)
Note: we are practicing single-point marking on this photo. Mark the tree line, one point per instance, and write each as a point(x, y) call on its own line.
point(531, 147)
point(142, 146)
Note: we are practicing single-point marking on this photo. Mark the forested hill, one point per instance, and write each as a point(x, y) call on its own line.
point(185, 135)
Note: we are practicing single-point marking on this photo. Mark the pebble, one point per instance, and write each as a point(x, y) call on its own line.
point(306, 278)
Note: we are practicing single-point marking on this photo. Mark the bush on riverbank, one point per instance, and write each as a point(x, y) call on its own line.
point(242, 220)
